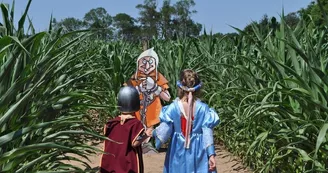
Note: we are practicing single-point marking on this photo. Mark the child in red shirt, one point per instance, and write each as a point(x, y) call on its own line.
point(125, 155)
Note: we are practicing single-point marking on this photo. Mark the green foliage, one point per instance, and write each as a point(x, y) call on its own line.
point(272, 94)
point(182, 20)
point(269, 85)
point(292, 19)
point(149, 18)
point(315, 12)
point(166, 24)
point(126, 26)
point(170, 21)
point(43, 99)
point(70, 24)
point(100, 21)
point(269, 88)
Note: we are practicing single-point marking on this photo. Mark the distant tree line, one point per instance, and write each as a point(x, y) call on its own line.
point(174, 20)
point(165, 22)
point(315, 13)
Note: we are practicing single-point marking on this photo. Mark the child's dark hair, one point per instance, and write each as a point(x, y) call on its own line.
point(190, 79)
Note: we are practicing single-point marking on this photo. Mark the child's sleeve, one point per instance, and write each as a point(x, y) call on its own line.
point(211, 120)
point(136, 130)
point(163, 132)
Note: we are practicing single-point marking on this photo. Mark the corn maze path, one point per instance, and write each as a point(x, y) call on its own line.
point(153, 162)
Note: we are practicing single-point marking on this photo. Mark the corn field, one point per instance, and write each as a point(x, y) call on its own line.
point(270, 90)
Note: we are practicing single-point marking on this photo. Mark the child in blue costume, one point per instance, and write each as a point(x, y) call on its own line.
point(189, 123)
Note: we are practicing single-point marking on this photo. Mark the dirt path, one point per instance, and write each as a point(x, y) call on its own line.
point(226, 163)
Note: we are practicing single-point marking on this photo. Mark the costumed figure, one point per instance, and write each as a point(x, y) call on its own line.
point(123, 152)
point(189, 123)
point(152, 86)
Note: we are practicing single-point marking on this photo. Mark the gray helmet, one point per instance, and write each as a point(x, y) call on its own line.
point(128, 99)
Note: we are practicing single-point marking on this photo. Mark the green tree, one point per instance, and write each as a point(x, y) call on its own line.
point(314, 11)
point(193, 28)
point(249, 29)
point(70, 24)
point(99, 20)
point(185, 26)
point(169, 21)
point(149, 18)
point(126, 26)
point(292, 19)
point(265, 25)
point(218, 35)
point(167, 11)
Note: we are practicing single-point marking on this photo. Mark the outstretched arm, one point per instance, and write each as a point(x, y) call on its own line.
point(165, 95)
point(164, 131)
point(142, 137)
point(163, 92)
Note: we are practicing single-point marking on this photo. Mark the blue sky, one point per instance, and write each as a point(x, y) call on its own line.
point(215, 15)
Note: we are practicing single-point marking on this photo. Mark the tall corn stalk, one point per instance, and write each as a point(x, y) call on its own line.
point(43, 101)
point(272, 94)
point(270, 90)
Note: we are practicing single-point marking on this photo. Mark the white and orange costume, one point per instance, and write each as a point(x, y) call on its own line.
point(152, 87)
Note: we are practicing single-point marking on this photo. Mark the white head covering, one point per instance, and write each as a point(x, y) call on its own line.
point(148, 52)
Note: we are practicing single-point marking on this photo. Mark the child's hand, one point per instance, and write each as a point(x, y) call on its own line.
point(149, 132)
point(211, 162)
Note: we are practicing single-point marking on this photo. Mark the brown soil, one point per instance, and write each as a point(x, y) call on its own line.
point(225, 161)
